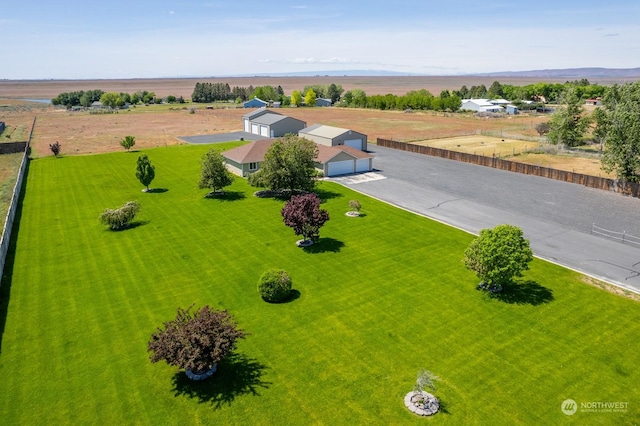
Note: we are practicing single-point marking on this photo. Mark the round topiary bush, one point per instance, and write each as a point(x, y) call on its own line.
point(274, 285)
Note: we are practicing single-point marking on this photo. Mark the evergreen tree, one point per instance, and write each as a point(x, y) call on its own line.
point(145, 172)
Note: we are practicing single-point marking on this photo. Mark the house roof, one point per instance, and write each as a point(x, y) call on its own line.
point(254, 152)
point(326, 153)
point(257, 100)
point(270, 118)
point(258, 112)
point(479, 102)
point(250, 153)
point(323, 131)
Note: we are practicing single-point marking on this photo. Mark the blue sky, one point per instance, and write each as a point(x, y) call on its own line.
point(145, 39)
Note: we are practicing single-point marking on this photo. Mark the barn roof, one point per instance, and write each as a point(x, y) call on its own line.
point(323, 131)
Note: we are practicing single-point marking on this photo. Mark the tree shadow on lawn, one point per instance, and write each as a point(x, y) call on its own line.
point(524, 293)
point(237, 375)
point(157, 190)
point(324, 245)
point(325, 195)
point(226, 195)
point(131, 225)
point(293, 295)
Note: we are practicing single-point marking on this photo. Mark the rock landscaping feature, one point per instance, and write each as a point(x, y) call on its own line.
point(201, 376)
point(422, 403)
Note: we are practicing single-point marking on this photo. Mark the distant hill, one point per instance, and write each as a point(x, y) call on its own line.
point(334, 73)
point(569, 73)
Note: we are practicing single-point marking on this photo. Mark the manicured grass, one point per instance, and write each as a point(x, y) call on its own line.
point(380, 297)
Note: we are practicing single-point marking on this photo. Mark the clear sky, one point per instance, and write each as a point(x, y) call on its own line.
point(144, 39)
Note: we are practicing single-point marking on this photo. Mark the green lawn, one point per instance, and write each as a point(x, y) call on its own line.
point(380, 297)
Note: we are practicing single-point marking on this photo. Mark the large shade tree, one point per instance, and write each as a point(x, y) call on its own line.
point(304, 215)
point(568, 124)
point(498, 255)
point(289, 164)
point(195, 341)
point(214, 174)
point(618, 126)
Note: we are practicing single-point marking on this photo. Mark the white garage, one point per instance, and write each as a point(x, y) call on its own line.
point(354, 143)
point(336, 168)
point(342, 160)
point(363, 165)
point(264, 131)
point(247, 126)
point(255, 129)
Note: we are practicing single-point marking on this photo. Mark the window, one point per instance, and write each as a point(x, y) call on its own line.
point(253, 166)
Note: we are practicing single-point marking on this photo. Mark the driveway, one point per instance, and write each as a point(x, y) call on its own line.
point(220, 137)
point(556, 217)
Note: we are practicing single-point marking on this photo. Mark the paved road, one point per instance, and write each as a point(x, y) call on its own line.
point(555, 216)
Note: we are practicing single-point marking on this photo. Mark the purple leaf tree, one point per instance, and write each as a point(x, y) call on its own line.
point(304, 215)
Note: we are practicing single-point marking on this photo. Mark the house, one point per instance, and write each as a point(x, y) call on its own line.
point(271, 124)
point(596, 102)
point(334, 136)
point(322, 102)
point(256, 103)
point(246, 158)
point(480, 105)
point(332, 161)
point(512, 109)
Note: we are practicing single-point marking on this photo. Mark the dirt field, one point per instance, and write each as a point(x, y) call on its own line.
point(84, 133)
point(482, 145)
point(397, 85)
point(587, 166)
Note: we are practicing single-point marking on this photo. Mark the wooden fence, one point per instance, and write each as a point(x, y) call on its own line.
point(627, 188)
point(11, 214)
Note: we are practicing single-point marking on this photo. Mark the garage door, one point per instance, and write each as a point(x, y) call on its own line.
point(264, 131)
point(247, 126)
point(354, 143)
point(340, 167)
point(363, 165)
point(255, 129)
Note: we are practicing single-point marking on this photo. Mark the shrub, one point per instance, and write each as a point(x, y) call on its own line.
point(274, 285)
point(355, 205)
point(121, 217)
point(55, 148)
point(195, 341)
point(128, 142)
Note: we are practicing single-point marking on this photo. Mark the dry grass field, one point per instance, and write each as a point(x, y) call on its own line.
point(482, 145)
point(372, 85)
point(84, 133)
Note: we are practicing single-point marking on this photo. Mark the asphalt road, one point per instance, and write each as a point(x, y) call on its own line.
point(556, 217)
